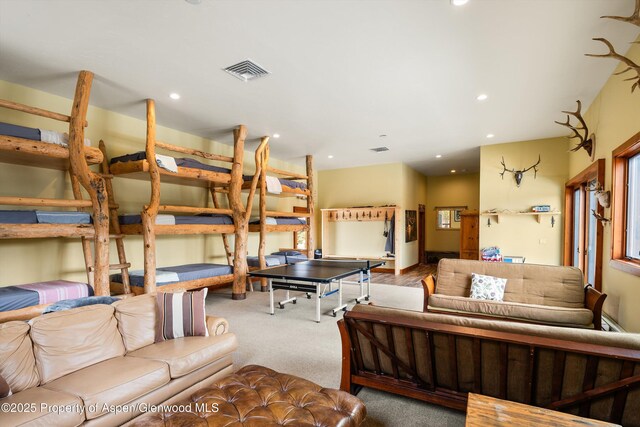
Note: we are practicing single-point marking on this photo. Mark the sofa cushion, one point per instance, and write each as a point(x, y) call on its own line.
point(46, 405)
point(70, 340)
point(17, 364)
point(579, 317)
point(136, 320)
point(180, 314)
point(527, 283)
point(115, 381)
point(487, 287)
point(185, 355)
point(5, 389)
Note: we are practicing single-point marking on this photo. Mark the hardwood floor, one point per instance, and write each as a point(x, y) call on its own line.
point(410, 279)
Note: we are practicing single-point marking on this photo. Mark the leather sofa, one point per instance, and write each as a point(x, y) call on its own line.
point(440, 358)
point(98, 365)
point(542, 294)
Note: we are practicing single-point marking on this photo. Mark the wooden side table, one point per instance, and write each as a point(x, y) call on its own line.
point(485, 411)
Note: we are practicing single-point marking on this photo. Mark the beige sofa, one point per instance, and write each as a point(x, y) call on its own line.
point(98, 365)
point(542, 294)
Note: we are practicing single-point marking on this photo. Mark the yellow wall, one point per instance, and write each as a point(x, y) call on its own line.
point(388, 184)
point(23, 261)
point(449, 190)
point(614, 116)
point(523, 235)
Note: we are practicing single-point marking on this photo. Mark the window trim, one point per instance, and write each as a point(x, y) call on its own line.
point(619, 195)
point(594, 171)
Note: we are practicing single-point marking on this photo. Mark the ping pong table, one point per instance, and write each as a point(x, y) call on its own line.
point(317, 277)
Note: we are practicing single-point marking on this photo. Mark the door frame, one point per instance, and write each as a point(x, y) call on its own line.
point(422, 238)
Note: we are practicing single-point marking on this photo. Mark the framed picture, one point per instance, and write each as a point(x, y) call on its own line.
point(456, 215)
point(410, 226)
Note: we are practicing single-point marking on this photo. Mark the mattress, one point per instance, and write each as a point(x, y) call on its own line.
point(43, 217)
point(287, 182)
point(281, 221)
point(206, 219)
point(22, 296)
point(42, 135)
point(291, 257)
point(272, 260)
point(181, 162)
point(184, 272)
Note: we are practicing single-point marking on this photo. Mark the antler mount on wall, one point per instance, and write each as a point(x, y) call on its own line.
point(519, 174)
point(587, 142)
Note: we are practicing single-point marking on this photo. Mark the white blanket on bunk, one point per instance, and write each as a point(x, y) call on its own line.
point(165, 220)
point(273, 185)
point(167, 162)
point(161, 276)
point(58, 138)
point(268, 220)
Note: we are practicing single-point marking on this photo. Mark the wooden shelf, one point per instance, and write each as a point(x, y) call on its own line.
point(538, 215)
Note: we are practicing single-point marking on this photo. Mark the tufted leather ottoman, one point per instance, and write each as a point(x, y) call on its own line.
point(259, 396)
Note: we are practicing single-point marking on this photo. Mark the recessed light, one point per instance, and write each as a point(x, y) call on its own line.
point(438, 156)
point(276, 135)
point(482, 97)
point(490, 135)
point(459, 2)
point(330, 156)
point(174, 96)
point(453, 171)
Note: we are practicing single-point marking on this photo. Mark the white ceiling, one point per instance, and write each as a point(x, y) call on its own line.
point(343, 72)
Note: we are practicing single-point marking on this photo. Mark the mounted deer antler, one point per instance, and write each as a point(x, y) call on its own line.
point(603, 197)
point(588, 142)
point(632, 66)
point(600, 218)
point(519, 174)
point(633, 19)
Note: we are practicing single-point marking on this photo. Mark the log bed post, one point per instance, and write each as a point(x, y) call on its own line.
point(310, 208)
point(93, 183)
point(225, 240)
point(264, 164)
point(150, 212)
point(240, 220)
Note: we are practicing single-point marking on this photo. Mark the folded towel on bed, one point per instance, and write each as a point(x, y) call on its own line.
point(273, 185)
point(58, 138)
point(167, 162)
point(268, 220)
point(161, 276)
point(165, 220)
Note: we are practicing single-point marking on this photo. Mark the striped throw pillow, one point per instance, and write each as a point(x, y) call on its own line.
point(180, 314)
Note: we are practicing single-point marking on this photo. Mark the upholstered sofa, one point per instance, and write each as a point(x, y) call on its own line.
point(542, 294)
point(98, 365)
point(440, 358)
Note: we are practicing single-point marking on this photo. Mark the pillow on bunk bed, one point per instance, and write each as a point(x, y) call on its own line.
point(180, 314)
point(287, 253)
point(5, 390)
point(67, 304)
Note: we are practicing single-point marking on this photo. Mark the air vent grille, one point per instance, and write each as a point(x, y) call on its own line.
point(379, 149)
point(247, 70)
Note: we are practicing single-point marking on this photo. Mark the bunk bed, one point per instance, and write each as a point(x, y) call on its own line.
point(282, 183)
point(70, 153)
point(160, 219)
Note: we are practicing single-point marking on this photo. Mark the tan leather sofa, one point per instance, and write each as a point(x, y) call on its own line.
point(542, 294)
point(98, 365)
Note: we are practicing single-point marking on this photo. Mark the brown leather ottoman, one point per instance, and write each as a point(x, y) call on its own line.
point(259, 396)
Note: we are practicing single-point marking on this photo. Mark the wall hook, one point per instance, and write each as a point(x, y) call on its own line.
point(553, 221)
point(489, 222)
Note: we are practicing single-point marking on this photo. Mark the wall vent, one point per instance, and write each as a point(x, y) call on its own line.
point(379, 149)
point(246, 70)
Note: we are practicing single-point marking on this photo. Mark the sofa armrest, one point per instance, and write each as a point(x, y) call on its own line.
point(429, 287)
point(593, 300)
point(217, 325)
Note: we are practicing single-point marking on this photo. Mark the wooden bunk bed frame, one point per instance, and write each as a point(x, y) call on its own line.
point(74, 158)
point(263, 228)
point(214, 182)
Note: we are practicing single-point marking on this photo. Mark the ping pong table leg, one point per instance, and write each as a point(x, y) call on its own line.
point(340, 306)
point(318, 296)
point(362, 296)
point(271, 308)
point(368, 284)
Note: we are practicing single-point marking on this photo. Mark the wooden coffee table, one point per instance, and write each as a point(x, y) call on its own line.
point(485, 411)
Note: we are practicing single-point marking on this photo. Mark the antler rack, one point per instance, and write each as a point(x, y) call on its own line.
point(631, 66)
point(587, 142)
point(633, 19)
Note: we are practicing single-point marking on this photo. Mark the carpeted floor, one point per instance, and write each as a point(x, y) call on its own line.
point(292, 342)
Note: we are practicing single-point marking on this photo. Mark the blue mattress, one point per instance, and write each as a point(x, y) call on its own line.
point(206, 219)
point(19, 131)
point(284, 221)
point(43, 217)
point(292, 257)
point(287, 182)
point(272, 260)
point(184, 272)
point(181, 162)
point(15, 298)
point(28, 295)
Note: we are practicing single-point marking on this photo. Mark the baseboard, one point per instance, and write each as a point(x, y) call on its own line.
point(408, 269)
point(383, 270)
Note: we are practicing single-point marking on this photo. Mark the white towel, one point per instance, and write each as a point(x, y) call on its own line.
point(269, 220)
point(161, 276)
point(167, 162)
point(58, 138)
point(273, 185)
point(165, 220)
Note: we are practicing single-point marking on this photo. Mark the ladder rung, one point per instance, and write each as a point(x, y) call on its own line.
point(113, 206)
point(116, 236)
point(115, 266)
point(106, 175)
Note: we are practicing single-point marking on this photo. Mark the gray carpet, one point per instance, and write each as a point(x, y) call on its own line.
point(292, 342)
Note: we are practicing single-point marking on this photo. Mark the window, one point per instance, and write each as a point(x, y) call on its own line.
point(625, 214)
point(448, 217)
point(582, 231)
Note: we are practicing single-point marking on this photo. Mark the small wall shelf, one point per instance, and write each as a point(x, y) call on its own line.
point(538, 216)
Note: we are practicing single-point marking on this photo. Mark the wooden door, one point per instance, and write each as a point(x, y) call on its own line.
point(421, 235)
point(469, 235)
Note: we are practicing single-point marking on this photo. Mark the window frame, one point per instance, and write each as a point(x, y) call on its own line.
point(619, 195)
point(595, 171)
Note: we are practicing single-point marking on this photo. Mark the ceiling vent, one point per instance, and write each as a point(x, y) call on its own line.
point(247, 70)
point(379, 149)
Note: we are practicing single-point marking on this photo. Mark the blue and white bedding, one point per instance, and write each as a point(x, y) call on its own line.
point(271, 260)
point(280, 221)
point(178, 273)
point(34, 134)
point(204, 219)
point(22, 296)
point(287, 182)
point(183, 162)
point(291, 257)
point(43, 217)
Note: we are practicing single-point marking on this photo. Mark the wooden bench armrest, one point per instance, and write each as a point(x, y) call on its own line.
point(429, 287)
point(593, 300)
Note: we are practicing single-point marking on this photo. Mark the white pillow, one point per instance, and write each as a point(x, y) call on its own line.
point(487, 287)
